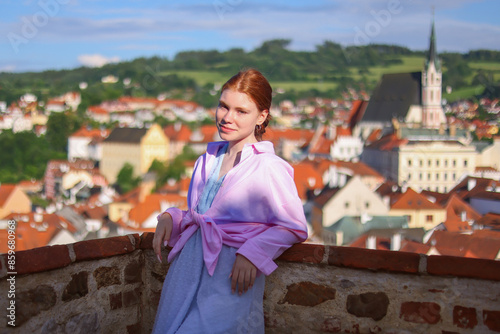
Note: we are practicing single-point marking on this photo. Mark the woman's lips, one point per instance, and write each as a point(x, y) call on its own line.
point(225, 129)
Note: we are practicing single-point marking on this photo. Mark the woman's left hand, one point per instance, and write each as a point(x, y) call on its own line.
point(243, 274)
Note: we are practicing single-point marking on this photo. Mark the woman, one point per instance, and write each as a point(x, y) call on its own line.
point(244, 211)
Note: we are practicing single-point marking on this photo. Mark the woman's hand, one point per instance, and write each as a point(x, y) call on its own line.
point(243, 274)
point(162, 233)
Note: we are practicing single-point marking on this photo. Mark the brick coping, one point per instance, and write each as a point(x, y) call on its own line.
point(59, 256)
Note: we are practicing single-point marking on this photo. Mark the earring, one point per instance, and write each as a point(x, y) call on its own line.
point(257, 127)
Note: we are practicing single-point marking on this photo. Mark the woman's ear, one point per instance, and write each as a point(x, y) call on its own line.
point(262, 116)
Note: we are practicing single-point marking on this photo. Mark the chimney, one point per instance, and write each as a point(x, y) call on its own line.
point(371, 242)
point(471, 183)
point(339, 238)
point(453, 130)
point(396, 241)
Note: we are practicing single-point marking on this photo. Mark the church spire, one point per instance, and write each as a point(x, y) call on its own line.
point(432, 57)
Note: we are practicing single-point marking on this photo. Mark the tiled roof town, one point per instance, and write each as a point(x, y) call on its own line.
point(386, 171)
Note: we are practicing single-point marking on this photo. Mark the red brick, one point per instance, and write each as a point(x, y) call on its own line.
point(464, 317)
point(420, 312)
point(99, 248)
point(463, 267)
point(304, 253)
point(42, 259)
point(146, 240)
point(115, 301)
point(373, 259)
point(492, 320)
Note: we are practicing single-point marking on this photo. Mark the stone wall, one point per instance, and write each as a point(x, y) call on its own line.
point(113, 286)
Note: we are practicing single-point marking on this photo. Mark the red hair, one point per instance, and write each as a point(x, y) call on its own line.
point(256, 86)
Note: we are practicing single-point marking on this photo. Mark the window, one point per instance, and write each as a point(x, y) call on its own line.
point(446, 163)
point(437, 176)
point(420, 176)
point(409, 176)
point(367, 205)
point(428, 176)
point(429, 163)
point(454, 163)
point(409, 162)
point(429, 218)
point(421, 162)
point(465, 163)
point(437, 163)
point(346, 205)
point(454, 177)
point(445, 175)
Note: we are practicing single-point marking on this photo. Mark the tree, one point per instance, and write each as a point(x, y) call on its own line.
point(59, 127)
point(125, 179)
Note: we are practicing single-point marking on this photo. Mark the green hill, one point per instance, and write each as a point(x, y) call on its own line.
point(327, 72)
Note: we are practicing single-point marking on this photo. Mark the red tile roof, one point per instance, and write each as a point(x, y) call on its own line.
point(178, 133)
point(411, 200)
point(454, 209)
point(457, 244)
point(414, 247)
point(388, 143)
point(35, 230)
point(306, 178)
point(490, 220)
point(5, 192)
point(151, 205)
point(91, 133)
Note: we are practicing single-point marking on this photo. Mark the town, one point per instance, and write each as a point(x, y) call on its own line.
point(394, 170)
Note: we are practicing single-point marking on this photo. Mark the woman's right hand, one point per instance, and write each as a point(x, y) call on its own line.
point(162, 233)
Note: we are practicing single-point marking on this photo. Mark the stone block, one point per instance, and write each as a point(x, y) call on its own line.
point(368, 305)
point(77, 287)
point(133, 272)
point(115, 301)
point(107, 276)
point(31, 302)
point(132, 297)
point(307, 294)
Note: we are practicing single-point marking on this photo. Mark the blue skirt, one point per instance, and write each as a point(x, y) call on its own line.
point(192, 301)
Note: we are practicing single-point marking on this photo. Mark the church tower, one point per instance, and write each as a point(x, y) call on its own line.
point(432, 110)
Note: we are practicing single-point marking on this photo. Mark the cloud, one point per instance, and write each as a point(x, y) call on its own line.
point(96, 60)
point(8, 68)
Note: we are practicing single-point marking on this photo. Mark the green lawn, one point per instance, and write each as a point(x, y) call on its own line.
point(409, 64)
point(488, 66)
point(463, 93)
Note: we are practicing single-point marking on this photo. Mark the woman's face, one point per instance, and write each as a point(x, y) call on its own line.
point(236, 118)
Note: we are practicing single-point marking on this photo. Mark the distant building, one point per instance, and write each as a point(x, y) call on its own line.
point(13, 200)
point(412, 98)
point(352, 199)
point(422, 158)
point(136, 146)
point(86, 144)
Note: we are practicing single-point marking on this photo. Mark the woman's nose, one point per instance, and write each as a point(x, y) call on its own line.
point(228, 117)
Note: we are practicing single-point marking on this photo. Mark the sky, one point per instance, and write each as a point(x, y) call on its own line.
point(38, 35)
